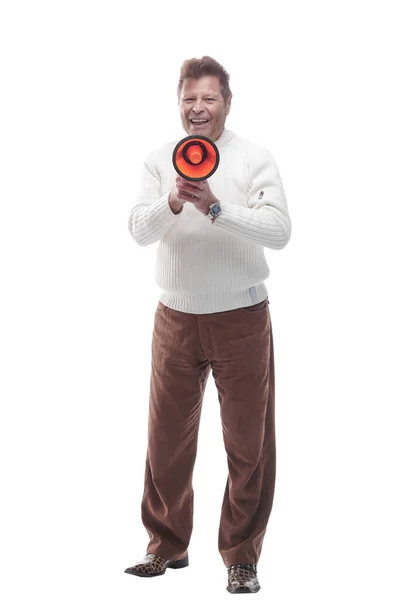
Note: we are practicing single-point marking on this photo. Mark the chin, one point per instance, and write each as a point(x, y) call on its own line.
point(207, 134)
point(193, 131)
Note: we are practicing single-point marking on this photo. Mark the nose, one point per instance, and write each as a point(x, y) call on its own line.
point(198, 107)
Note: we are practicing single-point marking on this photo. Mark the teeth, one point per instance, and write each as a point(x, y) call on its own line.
point(199, 120)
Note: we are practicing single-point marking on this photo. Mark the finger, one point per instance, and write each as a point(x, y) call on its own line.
point(187, 182)
point(188, 189)
point(185, 194)
point(192, 185)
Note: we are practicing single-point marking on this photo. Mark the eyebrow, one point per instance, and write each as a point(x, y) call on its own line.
point(209, 95)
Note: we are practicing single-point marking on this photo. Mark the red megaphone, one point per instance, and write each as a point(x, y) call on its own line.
point(195, 157)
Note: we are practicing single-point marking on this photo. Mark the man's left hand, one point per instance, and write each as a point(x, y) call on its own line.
point(198, 193)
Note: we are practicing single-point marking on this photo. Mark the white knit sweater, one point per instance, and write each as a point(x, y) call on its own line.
point(204, 267)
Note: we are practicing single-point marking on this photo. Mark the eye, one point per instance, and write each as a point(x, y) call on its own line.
point(210, 99)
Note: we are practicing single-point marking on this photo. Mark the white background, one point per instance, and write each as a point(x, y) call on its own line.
point(88, 88)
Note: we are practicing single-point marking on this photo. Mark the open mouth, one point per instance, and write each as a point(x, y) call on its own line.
point(199, 122)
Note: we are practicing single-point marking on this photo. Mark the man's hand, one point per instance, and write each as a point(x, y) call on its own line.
point(196, 192)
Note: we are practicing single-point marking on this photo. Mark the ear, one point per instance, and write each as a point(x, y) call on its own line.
point(228, 104)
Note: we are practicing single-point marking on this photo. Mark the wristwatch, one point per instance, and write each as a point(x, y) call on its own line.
point(215, 211)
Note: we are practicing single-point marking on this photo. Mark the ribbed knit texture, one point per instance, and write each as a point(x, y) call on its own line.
point(204, 267)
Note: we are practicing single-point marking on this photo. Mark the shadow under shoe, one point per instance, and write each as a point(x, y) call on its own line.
point(242, 579)
point(152, 565)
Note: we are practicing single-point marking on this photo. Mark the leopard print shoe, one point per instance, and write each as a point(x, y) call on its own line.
point(242, 578)
point(152, 565)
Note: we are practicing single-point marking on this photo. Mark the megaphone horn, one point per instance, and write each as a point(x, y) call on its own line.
point(196, 158)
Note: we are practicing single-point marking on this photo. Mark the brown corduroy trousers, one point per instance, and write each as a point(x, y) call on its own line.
point(237, 345)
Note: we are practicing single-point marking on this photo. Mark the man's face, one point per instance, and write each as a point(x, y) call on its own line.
point(202, 107)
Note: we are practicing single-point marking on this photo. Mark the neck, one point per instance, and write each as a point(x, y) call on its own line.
point(224, 138)
point(220, 135)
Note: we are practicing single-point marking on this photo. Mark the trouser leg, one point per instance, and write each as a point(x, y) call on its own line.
point(246, 386)
point(178, 378)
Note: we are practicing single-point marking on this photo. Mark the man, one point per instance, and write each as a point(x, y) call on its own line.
point(212, 315)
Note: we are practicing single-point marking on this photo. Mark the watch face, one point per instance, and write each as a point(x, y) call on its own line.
point(215, 210)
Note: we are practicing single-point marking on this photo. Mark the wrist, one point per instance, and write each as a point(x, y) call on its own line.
point(175, 206)
point(214, 210)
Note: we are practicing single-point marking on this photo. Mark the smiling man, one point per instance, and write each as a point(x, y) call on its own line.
point(203, 106)
point(212, 316)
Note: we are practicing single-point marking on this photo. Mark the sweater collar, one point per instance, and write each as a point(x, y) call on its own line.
point(225, 138)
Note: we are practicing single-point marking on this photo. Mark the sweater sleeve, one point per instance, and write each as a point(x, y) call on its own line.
point(151, 217)
point(266, 220)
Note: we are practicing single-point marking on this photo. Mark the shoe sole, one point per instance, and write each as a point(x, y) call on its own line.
point(244, 591)
point(177, 564)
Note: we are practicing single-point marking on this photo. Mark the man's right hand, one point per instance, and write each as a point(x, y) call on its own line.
point(176, 203)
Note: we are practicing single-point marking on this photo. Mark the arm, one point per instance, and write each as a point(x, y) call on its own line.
point(152, 216)
point(266, 221)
